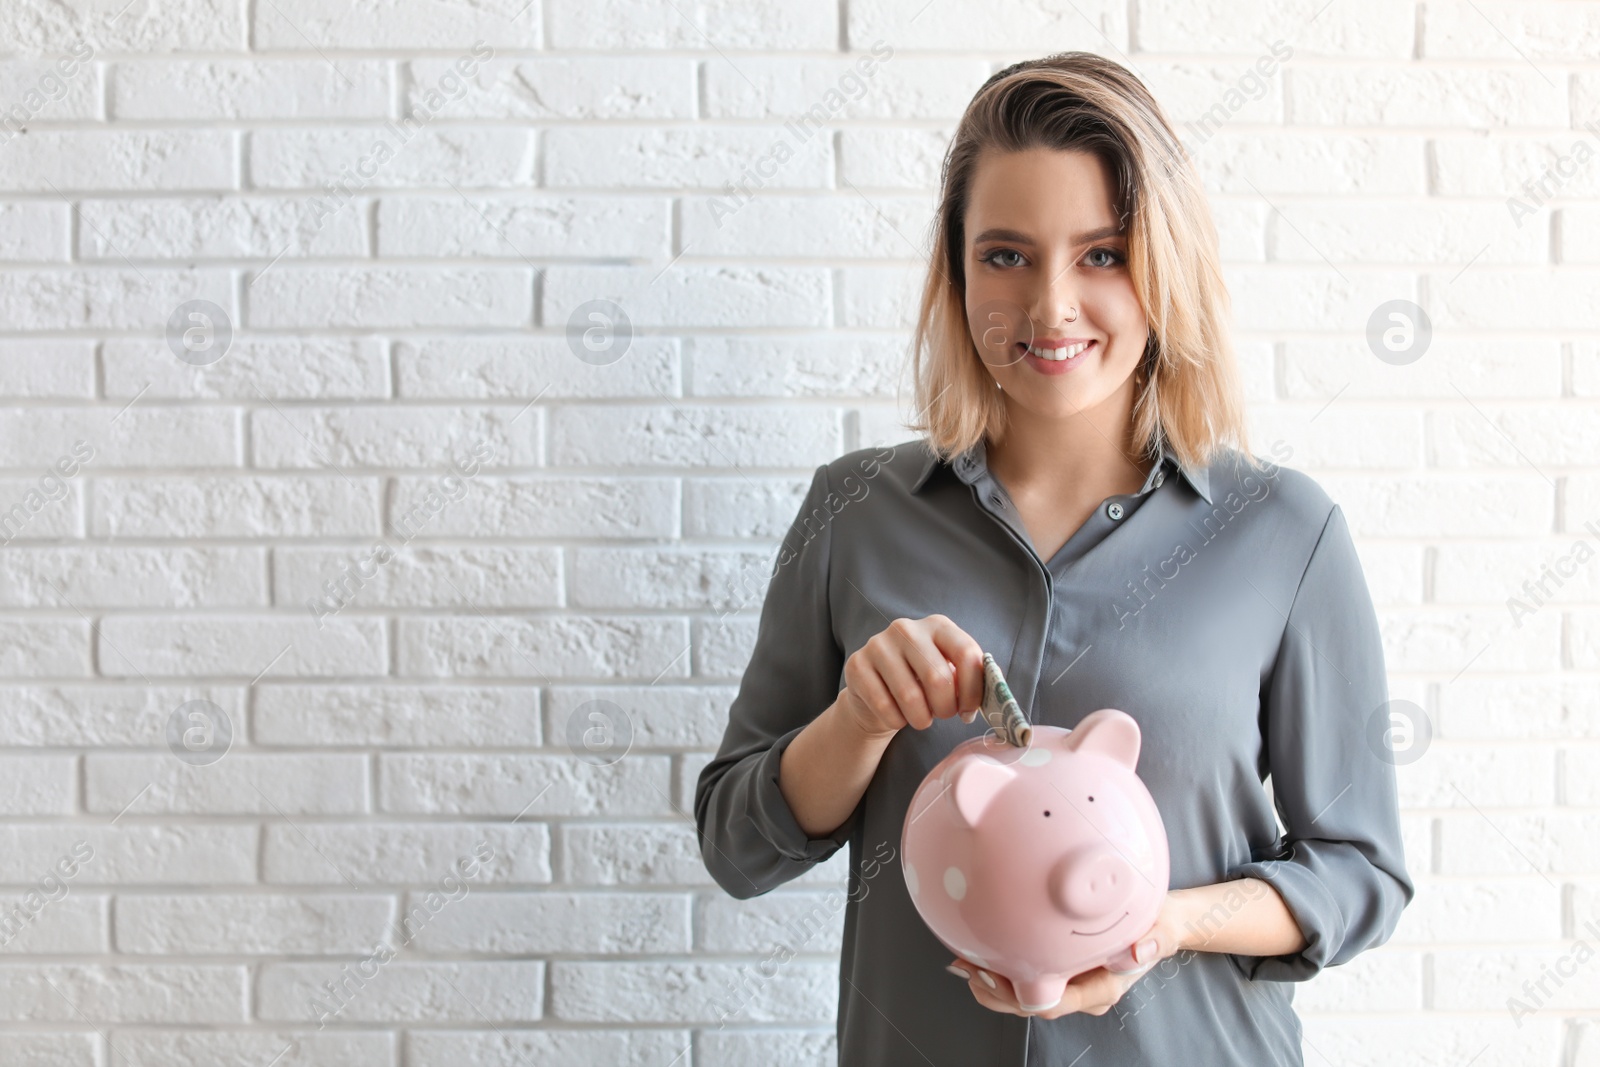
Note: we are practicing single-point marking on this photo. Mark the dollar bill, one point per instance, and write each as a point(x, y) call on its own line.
point(1000, 709)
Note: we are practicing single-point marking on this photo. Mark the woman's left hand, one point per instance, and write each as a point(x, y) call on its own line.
point(1092, 991)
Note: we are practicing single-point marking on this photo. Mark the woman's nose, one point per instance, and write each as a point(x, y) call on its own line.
point(1055, 303)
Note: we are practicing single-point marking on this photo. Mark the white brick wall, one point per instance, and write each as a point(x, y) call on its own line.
point(400, 760)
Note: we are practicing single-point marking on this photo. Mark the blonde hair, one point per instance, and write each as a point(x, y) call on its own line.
point(1188, 389)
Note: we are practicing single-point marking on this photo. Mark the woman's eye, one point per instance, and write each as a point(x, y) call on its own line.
point(994, 256)
point(1116, 257)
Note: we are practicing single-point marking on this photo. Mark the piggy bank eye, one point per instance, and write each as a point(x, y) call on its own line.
point(1047, 814)
point(1091, 800)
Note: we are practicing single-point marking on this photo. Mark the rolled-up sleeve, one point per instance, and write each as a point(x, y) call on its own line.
point(1340, 864)
point(748, 835)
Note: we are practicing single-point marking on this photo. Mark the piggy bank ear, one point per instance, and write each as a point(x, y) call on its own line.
point(974, 785)
point(1108, 732)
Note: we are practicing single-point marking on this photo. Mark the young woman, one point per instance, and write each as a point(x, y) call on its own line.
point(1084, 507)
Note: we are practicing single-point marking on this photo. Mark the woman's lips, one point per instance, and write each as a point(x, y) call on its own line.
point(1056, 366)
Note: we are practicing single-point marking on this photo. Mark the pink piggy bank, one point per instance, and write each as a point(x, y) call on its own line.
point(1043, 862)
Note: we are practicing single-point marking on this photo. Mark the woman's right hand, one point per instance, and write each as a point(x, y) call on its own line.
point(910, 673)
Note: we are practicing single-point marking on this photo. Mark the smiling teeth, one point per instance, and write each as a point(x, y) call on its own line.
point(1060, 354)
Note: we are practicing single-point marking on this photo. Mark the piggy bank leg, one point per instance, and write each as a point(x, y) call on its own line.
point(1040, 993)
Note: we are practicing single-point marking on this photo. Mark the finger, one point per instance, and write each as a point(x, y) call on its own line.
point(985, 986)
point(936, 675)
point(905, 688)
point(959, 647)
point(866, 686)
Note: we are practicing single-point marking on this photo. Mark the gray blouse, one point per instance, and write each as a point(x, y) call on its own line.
point(1224, 609)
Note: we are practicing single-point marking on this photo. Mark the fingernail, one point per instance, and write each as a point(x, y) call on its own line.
point(1145, 950)
point(968, 716)
point(959, 972)
point(987, 980)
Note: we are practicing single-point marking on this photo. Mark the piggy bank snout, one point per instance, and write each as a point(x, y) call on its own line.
point(1091, 882)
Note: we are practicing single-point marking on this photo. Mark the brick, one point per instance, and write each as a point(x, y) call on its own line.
point(699, 992)
point(148, 1047)
point(719, 24)
point(404, 991)
point(399, 853)
point(138, 437)
point(1370, 28)
point(126, 576)
point(51, 161)
point(393, 24)
point(256, 88)
point(129, 993)
point(37, 785)
point(548, 1048)
point(1377, 164)
point(1432, 96)
point(418, 576)
point(34, 648)
point(515, 924)
point(699, 157)
point(47, 368)
point(503, 227)
point(546, 506)
point(1343, 435)
point(391, 436)
point(681, 579)
point(1523, 32)
point(609, 646)
point(698, 436)
point(528, 367)
point(891, 158)
point(176, 26)
point(671, 717)
point(862, 85)
point(239, 783)
point(240, 506)
point(590, 88)
point(690, 295)
point(753, 507)
point(255, 227)
point(34, 232)
point(1450, 368)
point(41, 922)
point(56, 88)
point(396, 716)
point(470, 784)
point(1403, 232)
point(107, 298)
point(102, 715)
point(831, 228)
point(240, 645)
point(391, 296)
point(277, 368)
point(968, 25)
point(235, 924)
point(336, 161)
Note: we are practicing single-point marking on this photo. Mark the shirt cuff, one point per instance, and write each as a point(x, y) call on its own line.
point(775, 820)
point(1315, 911)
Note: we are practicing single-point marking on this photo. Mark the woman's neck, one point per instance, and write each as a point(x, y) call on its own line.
point(1090, 452)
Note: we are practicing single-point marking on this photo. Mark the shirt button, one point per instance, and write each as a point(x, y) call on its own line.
point(1161, 476)
point(1114, 509)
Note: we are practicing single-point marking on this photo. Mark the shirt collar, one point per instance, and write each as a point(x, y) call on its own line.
point(972, 464)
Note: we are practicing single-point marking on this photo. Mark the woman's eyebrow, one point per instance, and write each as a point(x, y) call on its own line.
point(1018, 237)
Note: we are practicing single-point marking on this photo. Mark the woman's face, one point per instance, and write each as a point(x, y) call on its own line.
point(1042, 240)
